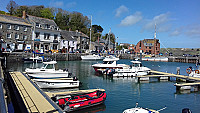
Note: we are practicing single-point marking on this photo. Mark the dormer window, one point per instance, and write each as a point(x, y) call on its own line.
point(37, 25)
point(16, 27)
point(47, 26)
point(8, 26)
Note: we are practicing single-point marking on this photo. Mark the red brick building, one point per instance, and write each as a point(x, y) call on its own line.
point(151, 46)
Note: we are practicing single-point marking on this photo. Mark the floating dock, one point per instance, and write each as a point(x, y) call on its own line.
point(166, 76)
point(34, 99)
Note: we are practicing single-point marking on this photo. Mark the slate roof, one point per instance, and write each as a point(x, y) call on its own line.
point(67, 35)
point(13, 20)
point(41, 20)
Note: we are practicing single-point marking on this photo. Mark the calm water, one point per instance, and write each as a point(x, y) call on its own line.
point(123, 93)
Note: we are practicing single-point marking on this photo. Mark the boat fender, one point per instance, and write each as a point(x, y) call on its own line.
point(188, 70)
point(197, 71)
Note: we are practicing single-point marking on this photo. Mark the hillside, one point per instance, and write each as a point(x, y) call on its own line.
point(181, 51)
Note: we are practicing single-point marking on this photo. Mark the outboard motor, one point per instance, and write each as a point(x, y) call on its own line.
point(186, 110)
point(75, 78)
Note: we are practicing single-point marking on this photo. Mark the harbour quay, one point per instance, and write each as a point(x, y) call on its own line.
point(18, 56)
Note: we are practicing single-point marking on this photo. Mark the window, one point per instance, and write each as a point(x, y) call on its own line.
point(0, 26)
point(149, 47)
point(55, 37)
point(47, 26)
point(16, 36)
point(16, 27)
point(8, 35)
point(8, 26)
point(25, 28)
point(37, 35)
point(46, 36)
point(24, 37)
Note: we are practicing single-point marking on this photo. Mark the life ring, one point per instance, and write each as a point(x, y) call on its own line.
point(197, 71)
point(188, 70)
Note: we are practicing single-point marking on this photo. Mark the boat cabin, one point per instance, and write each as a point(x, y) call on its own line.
point(136, 64)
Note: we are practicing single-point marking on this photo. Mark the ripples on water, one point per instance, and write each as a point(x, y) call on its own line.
point(123, 93)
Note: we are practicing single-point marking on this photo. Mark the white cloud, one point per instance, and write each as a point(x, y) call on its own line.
point(56, 3)
point(175, 33)
point(193, 30)
point(132, 19)
point(120, 10)
point(71, 4)
point(160, 21)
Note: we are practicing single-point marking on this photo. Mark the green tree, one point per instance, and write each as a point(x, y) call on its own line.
point(97, 28)
point(11, 7)
point(112, 37)
point(79, 22)
point(2, 12)
point(62, 19)
point(20, 9)
point(47, 13)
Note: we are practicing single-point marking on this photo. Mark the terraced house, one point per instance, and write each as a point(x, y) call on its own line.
point(45, 32)
point(15, 33)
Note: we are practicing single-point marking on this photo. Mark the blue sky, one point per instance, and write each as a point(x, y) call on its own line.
point(177, 21)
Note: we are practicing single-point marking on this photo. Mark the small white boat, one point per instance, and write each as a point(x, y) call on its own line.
point(47, 71)
point(92, 57)
point(142, 110)
point(134, 70)
point(109, 62)
point(57, 83)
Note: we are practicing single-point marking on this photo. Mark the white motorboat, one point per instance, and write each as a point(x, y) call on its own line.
point(192, 72)
point(108, 63)
point(47, 71)
point(142, 110)
point(134, 70)
point(57, 83)
point(92, 57)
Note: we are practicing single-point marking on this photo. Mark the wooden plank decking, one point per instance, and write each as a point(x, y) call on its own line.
point(33, 99)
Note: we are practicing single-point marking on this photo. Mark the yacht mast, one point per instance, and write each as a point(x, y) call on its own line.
point(90, 33)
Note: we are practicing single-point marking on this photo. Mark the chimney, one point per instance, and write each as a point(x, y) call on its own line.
point(24, 15)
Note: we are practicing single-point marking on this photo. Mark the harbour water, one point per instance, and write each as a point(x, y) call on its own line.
point(123, 93)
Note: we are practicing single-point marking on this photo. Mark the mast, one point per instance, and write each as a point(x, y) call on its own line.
point(90, 32)
point(155, 32)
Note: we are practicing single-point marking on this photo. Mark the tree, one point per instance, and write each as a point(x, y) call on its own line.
point(79, 22)
point(97, 28)
point(62, 19)
point(11, 7)
point(2, 12)
point(47, 13)
point(112, 37)
point(20, 9)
